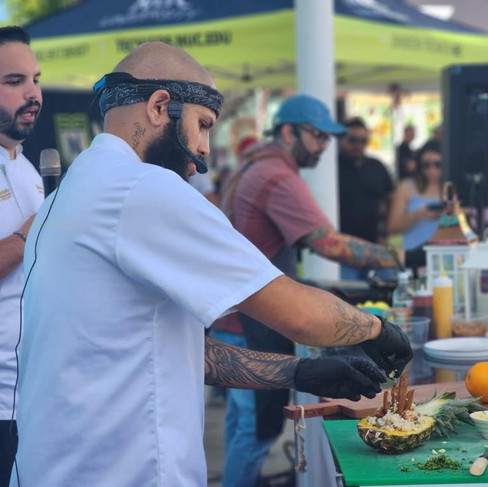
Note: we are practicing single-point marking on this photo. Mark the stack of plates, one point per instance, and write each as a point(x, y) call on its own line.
point(462, 350)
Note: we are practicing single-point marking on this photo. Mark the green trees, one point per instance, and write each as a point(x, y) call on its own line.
point(23, 12)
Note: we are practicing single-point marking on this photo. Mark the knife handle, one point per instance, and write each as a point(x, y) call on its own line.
point(478, 467)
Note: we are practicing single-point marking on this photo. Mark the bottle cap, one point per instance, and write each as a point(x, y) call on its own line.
point(403, 277)
point(442, 281)
point(423, 291)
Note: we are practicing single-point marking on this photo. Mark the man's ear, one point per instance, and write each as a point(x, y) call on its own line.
point(288, 133)
point(157, 108)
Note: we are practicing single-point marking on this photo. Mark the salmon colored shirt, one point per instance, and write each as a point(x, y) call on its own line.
point(272, 206)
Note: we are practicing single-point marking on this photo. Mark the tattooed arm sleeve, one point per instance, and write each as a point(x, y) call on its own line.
point(230, 366)
point(309, 315)
point(347, 249)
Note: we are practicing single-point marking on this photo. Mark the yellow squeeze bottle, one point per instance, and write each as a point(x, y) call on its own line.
point(442, 304)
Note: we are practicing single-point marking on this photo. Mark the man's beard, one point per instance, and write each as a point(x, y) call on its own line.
point(165, 151)
point(302, 156)
point(12, 129)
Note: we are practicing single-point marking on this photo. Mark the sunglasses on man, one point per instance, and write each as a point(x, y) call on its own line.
point(357, 140)
point(315, 133)
point(426, 165)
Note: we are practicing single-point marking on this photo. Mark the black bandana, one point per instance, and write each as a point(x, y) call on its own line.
point(117, 89)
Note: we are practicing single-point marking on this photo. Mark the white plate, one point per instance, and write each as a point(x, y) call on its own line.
point(455, 365)
point(461, 349)
point(452, 364)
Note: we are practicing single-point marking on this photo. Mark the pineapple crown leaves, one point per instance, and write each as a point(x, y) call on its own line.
point(449, 411)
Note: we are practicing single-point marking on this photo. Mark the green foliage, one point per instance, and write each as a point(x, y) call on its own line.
point(22, 12)
point(449, 411)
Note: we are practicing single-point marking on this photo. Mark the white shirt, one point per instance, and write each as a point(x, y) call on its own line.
point(21, 194)
point(132, 264)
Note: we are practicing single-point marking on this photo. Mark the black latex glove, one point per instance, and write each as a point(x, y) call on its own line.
point(391, 350)
point(338, 377)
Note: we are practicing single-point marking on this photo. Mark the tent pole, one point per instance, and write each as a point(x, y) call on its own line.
point(316, 77)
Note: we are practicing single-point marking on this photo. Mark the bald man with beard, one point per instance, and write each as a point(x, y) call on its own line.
point(127, 265)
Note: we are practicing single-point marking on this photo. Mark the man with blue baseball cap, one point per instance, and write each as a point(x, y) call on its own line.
point(271, 205)
point(305, 109)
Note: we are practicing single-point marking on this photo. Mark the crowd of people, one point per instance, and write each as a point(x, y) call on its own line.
point(267, 201)
point(125, 290)
point(378, 204)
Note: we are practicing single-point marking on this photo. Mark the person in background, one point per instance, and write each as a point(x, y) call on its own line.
point(434, 142)
point(245, 145)
point(365, 188)
point(127, 269)
point(271, 205)
point(242, 147)
point(229, 328)
point(21, 194)
point(220, 178)
point(405, 156)
point(416, 207)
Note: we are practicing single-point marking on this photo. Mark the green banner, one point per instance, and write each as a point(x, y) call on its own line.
point(369, 52)
point(259, 51)
point(246, 51)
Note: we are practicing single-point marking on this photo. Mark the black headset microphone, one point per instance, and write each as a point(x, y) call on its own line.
point(50, 169)
point(174, 111)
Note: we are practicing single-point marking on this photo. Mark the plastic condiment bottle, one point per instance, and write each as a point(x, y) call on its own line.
point(422, 306)
point(402, 302)
point(442, 303)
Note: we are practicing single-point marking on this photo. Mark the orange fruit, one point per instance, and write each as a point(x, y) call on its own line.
point(477, 381)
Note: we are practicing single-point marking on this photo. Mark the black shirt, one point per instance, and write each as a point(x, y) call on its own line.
point(362, 191)
point(404, 153)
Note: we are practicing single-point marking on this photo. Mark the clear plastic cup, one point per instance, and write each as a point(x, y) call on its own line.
point(416, 328)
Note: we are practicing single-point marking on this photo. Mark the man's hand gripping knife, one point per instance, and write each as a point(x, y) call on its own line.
point(351, 377)
point(338, 377)
point(391, 349)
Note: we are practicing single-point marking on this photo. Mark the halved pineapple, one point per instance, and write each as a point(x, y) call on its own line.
point(389, 440)
point(397, 427)
point(400, 425)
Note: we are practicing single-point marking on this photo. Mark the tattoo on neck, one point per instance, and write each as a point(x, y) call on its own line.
point(140, 131)
point(353, 327)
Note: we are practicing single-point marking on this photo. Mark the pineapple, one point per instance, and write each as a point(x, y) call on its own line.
point(400, 425)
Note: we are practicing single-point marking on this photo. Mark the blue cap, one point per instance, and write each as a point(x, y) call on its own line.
point(307, 110)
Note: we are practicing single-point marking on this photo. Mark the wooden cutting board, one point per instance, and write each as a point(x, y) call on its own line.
point(343, 408)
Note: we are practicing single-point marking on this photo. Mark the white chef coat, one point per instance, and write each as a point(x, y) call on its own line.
point(21, 194)
point(132, 263)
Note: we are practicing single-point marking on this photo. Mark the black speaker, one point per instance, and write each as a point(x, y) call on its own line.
point(465, 132)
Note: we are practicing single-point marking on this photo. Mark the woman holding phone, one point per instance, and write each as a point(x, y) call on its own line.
point(416, 207)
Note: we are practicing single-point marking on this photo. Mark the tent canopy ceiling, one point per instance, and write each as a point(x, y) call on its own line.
point(91, 16)
point(251, 44)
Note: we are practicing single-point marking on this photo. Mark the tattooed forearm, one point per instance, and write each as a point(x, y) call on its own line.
point(226, 365)
point(348, 250)
point(369, 255)
point(353, 326)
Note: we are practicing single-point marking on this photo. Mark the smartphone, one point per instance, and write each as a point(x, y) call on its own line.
point(437, 206)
